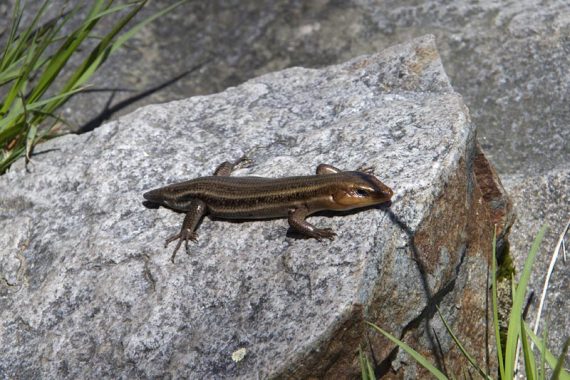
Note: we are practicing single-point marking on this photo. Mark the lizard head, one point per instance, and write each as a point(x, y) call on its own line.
point(360, 191)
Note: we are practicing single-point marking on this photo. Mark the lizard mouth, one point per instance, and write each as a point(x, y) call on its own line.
point(153, 196)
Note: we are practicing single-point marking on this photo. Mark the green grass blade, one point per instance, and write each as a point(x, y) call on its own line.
point(413, 353)
point(529, 360)
point(541, 349)
point(11, 124)
point(36, 44)
point(124, 37)
point(106, 47)
point(518, 302)
point(42, 53)
point(11, 72)
point(62, 55)
point(22, 41)
point(556, 374)
point(371, 375)
point(56, 64)
point(363, 370)
point(108, 11)
point(366, 371)
point(31, 29)
point(496, 308)
point(458, 343)
point(41, 41)
point(7, 123)
point(548, 356)
point(96, 8)
point(10, 157)
point(98, 55)
point(10, 48)
point(16, 19)
point(41, 103)
point(18, 86)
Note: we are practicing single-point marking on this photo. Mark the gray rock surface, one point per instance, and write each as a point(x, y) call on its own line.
point(508, 59)
point(88, 290)
point(538, 200)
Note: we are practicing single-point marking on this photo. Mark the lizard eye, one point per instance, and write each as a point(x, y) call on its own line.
point(361, 192)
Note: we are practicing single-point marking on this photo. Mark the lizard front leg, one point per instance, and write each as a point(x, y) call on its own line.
point(196, 211)
point(327, 169)
point(297, 222)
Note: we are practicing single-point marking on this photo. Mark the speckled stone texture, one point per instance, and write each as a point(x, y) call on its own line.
point(87, 289)
point(538, 200)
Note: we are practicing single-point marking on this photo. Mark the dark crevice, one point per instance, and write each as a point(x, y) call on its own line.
point(371, 349)
point(5, 283)
point(433, 301)
point(529, 303)
point(502, 250)
point(148, 273)
point(440, 351)
point(385, 366)
point(296, 275)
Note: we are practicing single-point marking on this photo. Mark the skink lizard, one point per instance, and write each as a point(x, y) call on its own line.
point(296, 198)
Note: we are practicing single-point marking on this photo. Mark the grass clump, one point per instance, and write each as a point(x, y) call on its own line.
point(517, 333)
point(32, 61)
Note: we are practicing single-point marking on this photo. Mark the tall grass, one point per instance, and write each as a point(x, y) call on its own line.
point(32, 62)
point(518, 332)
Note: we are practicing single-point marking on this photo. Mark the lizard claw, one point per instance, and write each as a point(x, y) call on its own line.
point(183, 236)
point(324, 233)
point(365, 169)
point(243, 162)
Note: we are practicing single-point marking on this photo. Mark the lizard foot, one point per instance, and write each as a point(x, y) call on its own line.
point(184, 235)
point(323, 233)
point(365, 169)
point(243, 162)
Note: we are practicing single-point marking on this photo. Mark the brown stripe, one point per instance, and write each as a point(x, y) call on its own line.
point(230, 196)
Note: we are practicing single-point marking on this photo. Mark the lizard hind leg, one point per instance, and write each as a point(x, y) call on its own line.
point(329, 169)
point(226, 168)
point(365, 169)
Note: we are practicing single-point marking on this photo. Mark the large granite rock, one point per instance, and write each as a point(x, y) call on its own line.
point(88, 290)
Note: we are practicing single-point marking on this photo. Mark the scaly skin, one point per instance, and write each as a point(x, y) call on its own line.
point(296, 198)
